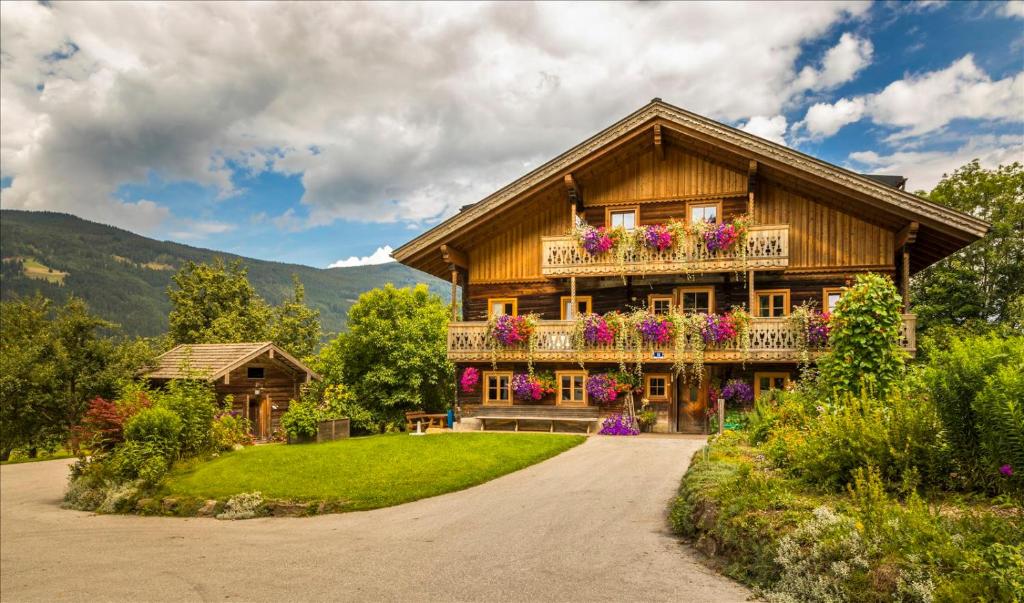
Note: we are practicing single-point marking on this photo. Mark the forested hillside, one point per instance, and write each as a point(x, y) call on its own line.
point(124, 276)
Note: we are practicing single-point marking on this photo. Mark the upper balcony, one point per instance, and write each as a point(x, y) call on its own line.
point(771, 340)
point(767, 248)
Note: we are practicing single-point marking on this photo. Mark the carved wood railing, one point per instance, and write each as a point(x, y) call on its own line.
point(767, 248)
point(771, 340)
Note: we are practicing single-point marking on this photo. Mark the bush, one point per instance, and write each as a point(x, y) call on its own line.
point(195, 402)
point(230, 430)
point(339, 402)
point(864, 337)
point(158, 427)
point(301, 419)
point(976, 386)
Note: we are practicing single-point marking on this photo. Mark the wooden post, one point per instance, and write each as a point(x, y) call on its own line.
point(572, 297)
point(455, 287)
point(751, 184)
point(721, 416)
point(905, 279)
point(752, 293)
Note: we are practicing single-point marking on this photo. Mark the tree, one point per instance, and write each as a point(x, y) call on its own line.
point(26, 398)
point(982, 285)
point(215, 303)
point(394, 355)
point(296, 326)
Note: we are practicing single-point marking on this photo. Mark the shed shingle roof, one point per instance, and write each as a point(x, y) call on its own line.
point(212, 360)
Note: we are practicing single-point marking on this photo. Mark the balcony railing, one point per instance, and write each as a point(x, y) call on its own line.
point(767, 248)
point(771, 340)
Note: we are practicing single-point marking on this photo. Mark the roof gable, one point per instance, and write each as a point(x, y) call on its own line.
point(211, 361)
point(960, 227)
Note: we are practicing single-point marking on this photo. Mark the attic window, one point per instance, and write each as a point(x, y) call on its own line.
point(254, 372)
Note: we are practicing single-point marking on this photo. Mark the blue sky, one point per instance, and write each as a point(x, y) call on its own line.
point(312, 133)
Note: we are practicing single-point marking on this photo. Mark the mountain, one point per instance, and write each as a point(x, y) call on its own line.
point(124, 276)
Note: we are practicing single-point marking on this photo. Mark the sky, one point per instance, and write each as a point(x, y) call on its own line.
point(328, 134)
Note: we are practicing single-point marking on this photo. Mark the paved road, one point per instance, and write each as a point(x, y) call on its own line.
point(587, 525)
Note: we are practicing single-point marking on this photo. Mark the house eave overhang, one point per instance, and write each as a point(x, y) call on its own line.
point(960, 225)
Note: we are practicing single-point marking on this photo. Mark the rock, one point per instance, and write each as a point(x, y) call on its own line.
point(142, 503)
point(208, 509)
point(288, 509)
point(169, 504)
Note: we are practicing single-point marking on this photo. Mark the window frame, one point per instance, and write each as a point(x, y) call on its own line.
point(579, 298)
point(647, 387)
point(621, 209)
point(263, 373)
point(758, 375)
point(558, 388)
point(503, 300)
point(826, 291)
point(772, 292)
point(718, 210)
point(651, 298)
point(709, 289)
point(486, 399)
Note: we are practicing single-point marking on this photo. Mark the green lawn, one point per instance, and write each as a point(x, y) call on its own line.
point(20, 456)
point(370, 472)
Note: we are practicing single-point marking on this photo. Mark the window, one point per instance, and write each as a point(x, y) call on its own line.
point(583, 303)
point(496, 306)
point(696, 300)
point(572, 389)
point(254, 372)
point(626, 217)
point(659, 304)
point(772, 304)
point(829, 297)
point(496, 387)
point(704, 212)
point(764, 382)
point(656, 387)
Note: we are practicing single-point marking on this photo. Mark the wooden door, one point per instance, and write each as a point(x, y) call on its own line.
point(264, 418)
point(692, 403)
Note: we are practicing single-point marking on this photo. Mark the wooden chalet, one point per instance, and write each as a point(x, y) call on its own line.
point(260, 377)
point(816, 225)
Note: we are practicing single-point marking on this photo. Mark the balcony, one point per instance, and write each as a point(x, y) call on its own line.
point(767, 248)
point(771, 340)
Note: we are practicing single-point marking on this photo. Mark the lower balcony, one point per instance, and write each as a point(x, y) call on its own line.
point(771, 340)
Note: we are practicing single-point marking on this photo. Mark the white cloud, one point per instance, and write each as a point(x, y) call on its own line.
point(1014, 8)
point(770, 128)
point(924, 169)
point(925, 103)
point(389, 112)
point(381, 256)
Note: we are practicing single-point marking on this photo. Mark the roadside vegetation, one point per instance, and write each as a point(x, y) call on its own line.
point(873, 480)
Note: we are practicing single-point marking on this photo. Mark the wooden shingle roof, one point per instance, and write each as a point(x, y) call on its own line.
point(211, 361)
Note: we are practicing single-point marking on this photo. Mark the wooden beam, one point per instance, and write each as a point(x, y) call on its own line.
point(751, 186)
point(907, 235)
point(658, 146)
point(572, 190)
point(455, 285)
point(751, 293)
point(227, 378)
point(905, 279)
point(452, 255)
point(271, 351)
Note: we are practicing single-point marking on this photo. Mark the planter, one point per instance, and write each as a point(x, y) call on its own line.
point(335, 429)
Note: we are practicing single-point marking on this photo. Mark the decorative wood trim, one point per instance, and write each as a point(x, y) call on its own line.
point(647, 387)
point(772, 292)
point(572, 190)
point(658, 146)
point(718, 209)
point(907, 235)
point(671, 199)
point(579, 298)
point(758, 375)
point(502, 300)
point(710, 290)
point(558, 388)
point(451, 255)
point(608, 211)
point(486, 399)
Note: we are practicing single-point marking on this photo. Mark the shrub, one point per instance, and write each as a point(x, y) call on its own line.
point(158, 427)
point(230, 430)
point(301, 418)
point(976, 386)
point(864, 337)
point(195, 402)
point(339, 402)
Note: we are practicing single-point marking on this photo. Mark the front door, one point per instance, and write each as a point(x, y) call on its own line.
point(692, 402)
point(264, 420)
point(258, 413)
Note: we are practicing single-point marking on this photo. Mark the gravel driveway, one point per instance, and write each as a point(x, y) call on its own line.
point(586, 525)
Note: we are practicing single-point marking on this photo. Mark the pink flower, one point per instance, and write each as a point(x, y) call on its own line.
point(470, 377)
point(1006, 470)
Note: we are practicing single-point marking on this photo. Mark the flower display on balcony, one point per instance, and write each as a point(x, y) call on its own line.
point(469, 379)
point(738, 392)
point(656, 329)
point(509, 331)
point(596, 330)
point(597, 240)
point(658, 236)
point(619, 425)
point(812, 329)
point(532, 387)
point(602, 388)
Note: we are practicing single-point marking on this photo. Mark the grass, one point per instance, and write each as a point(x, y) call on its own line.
point(370, 472)
point(21, 456)
point(37, 270)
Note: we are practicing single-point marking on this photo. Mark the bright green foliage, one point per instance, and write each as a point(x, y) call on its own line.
point(339, 402)
point(230, 430)
point(215, 303)
point(976, 386)
point(371, 472)
point(979, 285)
point(301, 419)
point(195, 402)
point(296, 326)
point(865, 337)
point(158, 427)
point(394, 356)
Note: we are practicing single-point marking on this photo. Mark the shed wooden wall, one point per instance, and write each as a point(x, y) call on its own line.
point(279, 382)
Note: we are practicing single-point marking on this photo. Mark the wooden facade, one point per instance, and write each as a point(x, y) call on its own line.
point(260, 378)
point(815, 227)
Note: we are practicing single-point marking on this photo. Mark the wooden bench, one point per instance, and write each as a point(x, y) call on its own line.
point(552, 415)
point(426, 421)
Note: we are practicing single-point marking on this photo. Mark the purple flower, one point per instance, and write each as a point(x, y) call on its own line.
point(737, 392)
point(619, 425)
point(601, 388)
point(655, 329)
point(1006, 470)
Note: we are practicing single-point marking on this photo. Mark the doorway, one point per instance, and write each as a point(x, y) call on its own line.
point(692, 402)
point(259, 416)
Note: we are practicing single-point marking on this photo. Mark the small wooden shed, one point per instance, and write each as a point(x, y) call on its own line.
point(261, 377)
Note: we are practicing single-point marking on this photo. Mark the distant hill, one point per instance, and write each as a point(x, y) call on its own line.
point(124, 276)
